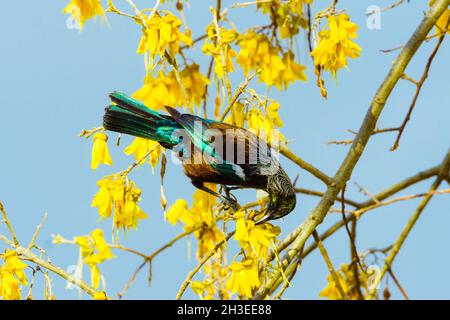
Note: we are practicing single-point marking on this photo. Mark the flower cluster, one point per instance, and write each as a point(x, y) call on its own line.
point(94, 251)
point(162, 33)
point(121, 195)
point(266, 124)
point(221, 49)
point(141, 147)
point(255, 241)
point(258, 53)
point(335, 44)
point(83, 10)
point(12, 276)
point(287, 16)
point(165, 90)
point(352, 288)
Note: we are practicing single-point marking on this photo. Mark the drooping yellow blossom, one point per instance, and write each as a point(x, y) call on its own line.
point(83, 10)
point(100, 295)
point(140, 147)
point(244, 277)
point(179, 212)
point(331, 291)
point(176, 211)
point(162, 33)
point(254, 238)
point(123, 196)
point(203, 203)
point(257, 52)
point(261, 237)
point(288, 16)
point(272, 114)
point(94, 251)
point(100, 153)
point(214, 49)
point(128, 213)
point(348, 284)
point(336, 45)
point(164, 90)
point(209, 237)
point(242, 226)
point(12, 275)
point(204, 289)
point(198, 217)
point(194, 83)
point(292, 72)
point(265, 125)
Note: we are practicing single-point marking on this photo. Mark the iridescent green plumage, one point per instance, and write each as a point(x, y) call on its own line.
point(210, 151)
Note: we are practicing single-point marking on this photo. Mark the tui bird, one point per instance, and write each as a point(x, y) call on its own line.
point(210, 151)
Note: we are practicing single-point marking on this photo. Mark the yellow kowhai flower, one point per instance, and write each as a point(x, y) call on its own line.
point(128, 213)
point(100, 295)
point(121, 195)
point(176, 211)
point(194, 83)
point(203, 204)
point(12, 275)
point(348, 284)
point(288, 16)
point(140, 147)
point(242, 226)
point(292, 72)
point(162, 33)
point(336, 45)
point(200, 212)
point(212, 48)
point(165, 90)
point(238, 111)
point(265, 126)
point(94, 251)
point(160, 91)
point(244, 277)
point(83, 10)
point(252, 238)
point(179, 212)
point(100, 152)
point(261, 237)
point(208, 237)
point(330, 291)
point(273, 116)
point(257, 52)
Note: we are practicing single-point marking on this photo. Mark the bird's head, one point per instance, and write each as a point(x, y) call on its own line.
point(282, 195)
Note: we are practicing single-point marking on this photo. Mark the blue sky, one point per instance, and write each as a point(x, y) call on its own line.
point(54, 82)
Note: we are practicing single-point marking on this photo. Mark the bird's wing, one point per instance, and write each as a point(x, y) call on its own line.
point(231, 150)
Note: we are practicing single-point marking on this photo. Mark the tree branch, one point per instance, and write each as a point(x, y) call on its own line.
point(445, 168)
point(345, 170)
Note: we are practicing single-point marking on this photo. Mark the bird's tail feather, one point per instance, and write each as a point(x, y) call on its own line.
point(131, 117)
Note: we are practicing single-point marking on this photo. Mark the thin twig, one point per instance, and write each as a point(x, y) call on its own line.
point(8, 224)
point(331, 269)
point(445, 168)
point(36, 233)
point(397, 283)
point(237, 94)
point(392, 6)
point(191, 274)
point(353, 155)
point(29, 255)
point(418, 89)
